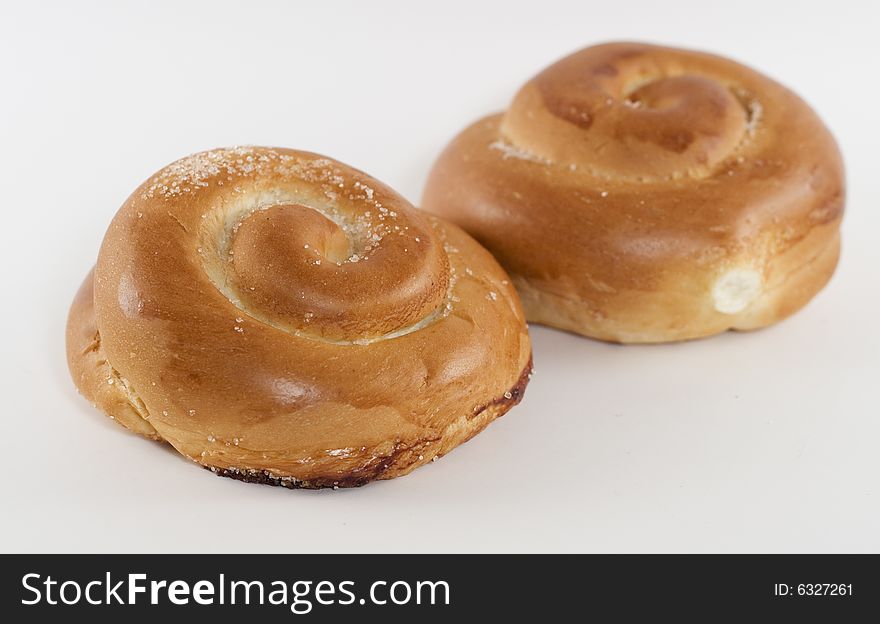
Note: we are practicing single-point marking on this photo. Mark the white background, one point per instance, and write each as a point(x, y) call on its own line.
point(744, 442)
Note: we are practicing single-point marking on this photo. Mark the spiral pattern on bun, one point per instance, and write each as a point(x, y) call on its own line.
point(280, 317)
point(638, 193)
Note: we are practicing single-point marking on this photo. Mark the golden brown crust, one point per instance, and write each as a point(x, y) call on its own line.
point(401, 459)
point(93, 375)
point(355, 347)
point(645, 194)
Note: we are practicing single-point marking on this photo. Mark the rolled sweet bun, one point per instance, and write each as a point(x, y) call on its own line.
point(279, 317)
point(638, 194)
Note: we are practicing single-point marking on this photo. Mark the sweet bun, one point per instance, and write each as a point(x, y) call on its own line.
point(638, 193)
point(279, 317)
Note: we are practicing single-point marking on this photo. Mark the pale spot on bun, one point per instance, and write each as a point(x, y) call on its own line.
point(736, 289)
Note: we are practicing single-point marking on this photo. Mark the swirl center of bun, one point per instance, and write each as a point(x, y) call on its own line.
point(632, 114)
point(324, 255)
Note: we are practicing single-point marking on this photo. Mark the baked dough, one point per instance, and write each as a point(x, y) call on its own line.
point(638, 193)
point(279, 317)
